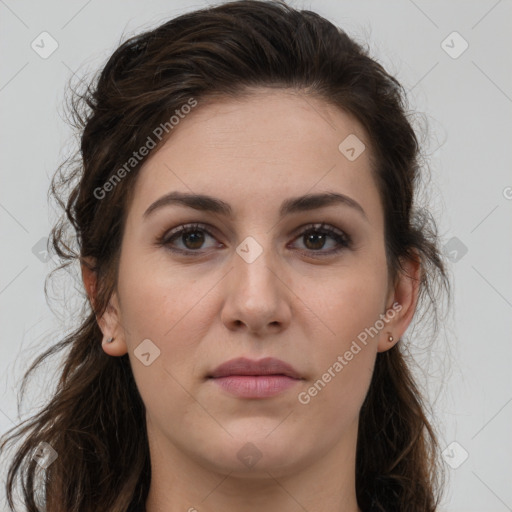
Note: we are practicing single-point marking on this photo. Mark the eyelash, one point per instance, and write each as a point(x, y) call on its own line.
point(344, 241)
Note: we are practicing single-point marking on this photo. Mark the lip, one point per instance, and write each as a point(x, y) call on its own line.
point(265, 366)
point(247, 378)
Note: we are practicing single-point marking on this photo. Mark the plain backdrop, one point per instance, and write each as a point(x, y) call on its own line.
point(454, 60)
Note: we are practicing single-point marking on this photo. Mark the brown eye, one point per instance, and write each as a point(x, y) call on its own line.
point(191, 237)
point(315, 239)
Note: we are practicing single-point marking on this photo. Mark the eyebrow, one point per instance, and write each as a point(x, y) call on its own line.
point(292, 205)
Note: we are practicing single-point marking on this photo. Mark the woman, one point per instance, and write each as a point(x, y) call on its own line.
point(243, 209)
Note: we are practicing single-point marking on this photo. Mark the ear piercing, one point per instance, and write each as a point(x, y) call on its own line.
point(390, 339)
point(110, 340)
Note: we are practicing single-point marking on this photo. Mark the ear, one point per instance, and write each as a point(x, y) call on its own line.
point(402, 300)
point(109, 322)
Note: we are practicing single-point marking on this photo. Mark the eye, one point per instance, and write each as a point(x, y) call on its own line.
point(192, 236)
point(316, 236)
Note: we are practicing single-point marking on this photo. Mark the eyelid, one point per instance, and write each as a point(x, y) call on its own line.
point(165, 238)
point(320, 226)
point(343, 239)
point(189, 226)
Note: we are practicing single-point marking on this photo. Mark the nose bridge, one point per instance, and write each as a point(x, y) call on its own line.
point(254, 264)
point(256, 296)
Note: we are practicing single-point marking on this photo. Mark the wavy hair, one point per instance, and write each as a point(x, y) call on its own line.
point(95, 419)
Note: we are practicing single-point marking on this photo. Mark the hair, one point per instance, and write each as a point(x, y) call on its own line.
point(95, 419)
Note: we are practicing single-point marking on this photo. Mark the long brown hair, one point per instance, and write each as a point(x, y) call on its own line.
point(95, 421)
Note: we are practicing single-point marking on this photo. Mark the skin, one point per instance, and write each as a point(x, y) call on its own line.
point(205, 309)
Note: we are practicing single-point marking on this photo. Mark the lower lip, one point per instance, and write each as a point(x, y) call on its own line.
point(255, 386)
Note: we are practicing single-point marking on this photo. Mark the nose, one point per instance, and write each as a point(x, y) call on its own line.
point(257, 299)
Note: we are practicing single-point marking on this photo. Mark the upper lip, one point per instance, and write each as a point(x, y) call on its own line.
point(265, 366)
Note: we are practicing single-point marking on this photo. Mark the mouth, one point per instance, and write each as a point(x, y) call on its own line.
point(246, 378)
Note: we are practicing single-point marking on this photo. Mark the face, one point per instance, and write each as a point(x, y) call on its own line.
point(301, 284)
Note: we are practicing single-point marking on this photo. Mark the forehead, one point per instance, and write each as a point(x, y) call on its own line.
point(255, 151)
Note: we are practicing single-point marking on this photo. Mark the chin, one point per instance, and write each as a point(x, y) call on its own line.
point(256, 455)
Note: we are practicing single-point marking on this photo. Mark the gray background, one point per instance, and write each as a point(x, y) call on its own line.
point(467, 102)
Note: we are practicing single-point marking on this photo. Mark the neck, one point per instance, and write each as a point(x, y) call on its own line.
point(326, 483)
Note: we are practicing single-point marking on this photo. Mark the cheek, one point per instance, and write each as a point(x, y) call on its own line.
point(164, 306)
point(351, 308)
point(169, 307)
point(351, 303)
point(158, 299)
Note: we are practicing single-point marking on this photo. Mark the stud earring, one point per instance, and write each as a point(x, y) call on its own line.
point(390, 339)
point(110, 340)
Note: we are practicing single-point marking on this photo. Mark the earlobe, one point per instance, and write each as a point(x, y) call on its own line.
point(109, 321)
point(404, 301)
point(113, 342)
point(114, 347)
point(111, 328)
